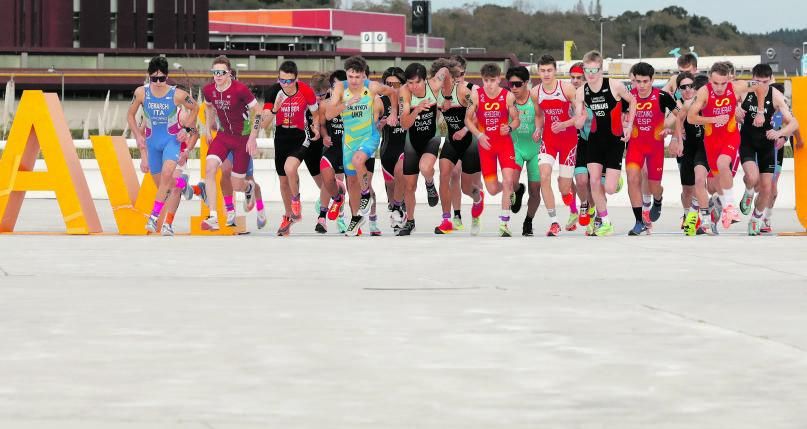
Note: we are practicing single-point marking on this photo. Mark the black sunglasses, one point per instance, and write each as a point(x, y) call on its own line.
point(393, 84)
point(687, 86)
point(516, 83)
point(158, 78)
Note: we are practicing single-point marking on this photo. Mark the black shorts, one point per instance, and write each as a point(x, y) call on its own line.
point(413, 151)
point(332, 157)
point(465, 150)
point(694, 154)
point(758, 149)
point(582, 153)
point(607, 150)
point(290, 142)
point(391, 152)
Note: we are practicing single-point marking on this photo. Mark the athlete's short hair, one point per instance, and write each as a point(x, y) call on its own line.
point(460, 59)
point(158, 64)
point(688, 59)
point(720, 68)
point(337, 74)
point(520, 72)
point(762, 70)
point(642, 69)
point(393, 71)
point(356, 63)
point(682, 76)
point(319, 82)
point(547, 60)
point(222, 59)
point(452, 66)
point(289, 67)
point(592, 57)
point(701, 79)
point(490, 70)
point(415, 70)
point(780, 86)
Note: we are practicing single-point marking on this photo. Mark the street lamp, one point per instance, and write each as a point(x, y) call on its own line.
point(623, 51)
point(602, 21)
point(53, 70)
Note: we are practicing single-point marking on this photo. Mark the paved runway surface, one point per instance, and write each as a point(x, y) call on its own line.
point(257, 331)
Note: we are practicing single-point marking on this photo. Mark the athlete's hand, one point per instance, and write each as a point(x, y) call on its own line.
point(759, 120)
point(252, 147)
point(557, 127)
point(665, 132)
point(446, 105)
point(739, 114)
point(424, 104)
point(144, 163)
point(281, 97)
point(207, 133)
point(626, 133)
point(536, 136)
point(315, 131)
point(392, 120)
point(780, 142)
point(459, 135)
point(381, 123)
point(773, 134)
point(182, 136)
point(183, 158)
point(326, 140)
point(353, 101)
point(720, 120)
point(676, 147)
point(483, 142)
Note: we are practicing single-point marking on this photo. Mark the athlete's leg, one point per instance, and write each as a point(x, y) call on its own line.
point(447, 186)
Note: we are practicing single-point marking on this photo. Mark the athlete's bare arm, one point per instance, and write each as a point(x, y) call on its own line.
point(392, 93)
point(470, 122)
point(791, 124)
point(694, 111)
point(515, 117)
point(210, 120)
point(570, 92)
point(137, 101)
point(743, 87)
point(579, 109)
point(336, 106)
point(539, 119)
point(411, 113)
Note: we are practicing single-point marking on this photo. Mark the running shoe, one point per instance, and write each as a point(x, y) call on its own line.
point(397, 218)
point(585, 216)
point(604, 230)
point(151, 224)
point(187, 192)
point(746, 203)
point(261, 219)
point(478, 208)
point(638, 229)
point(457, 221)
point(591, 229)
point(655, 211)
point(445, 227)
point(646, 219)
point(504, 230)
point(766, 226)
point(374, 230)
point(754, 226)
point(202, 191)
point(167, 230)
point(691, 224)
point(730, 216)
point(336, 209)
point(365, 204)
point(341, 225)
point(571, 224)
point(526, 229)
point(431, 192)
point(296, 211)
point(554, 230)
point(476, 226)
point(231, 218)
point(321, 226)
point(407, 229)
point(210, 224)
point(249, 197)
point(353, 228)
point(285, 226)
point(517, 198)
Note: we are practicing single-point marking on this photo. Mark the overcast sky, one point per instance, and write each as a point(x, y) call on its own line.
point(748, 16)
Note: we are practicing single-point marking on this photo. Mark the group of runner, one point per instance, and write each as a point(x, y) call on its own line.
point(338, 123)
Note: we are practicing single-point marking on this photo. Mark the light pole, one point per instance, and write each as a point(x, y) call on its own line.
point(623, 51)
point(602, 21)
point(640, 42)
point(53, 70)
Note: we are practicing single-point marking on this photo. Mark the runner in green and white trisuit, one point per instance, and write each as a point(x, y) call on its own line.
point(527, 141)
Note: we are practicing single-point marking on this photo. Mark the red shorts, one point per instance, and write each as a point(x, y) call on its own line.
point(726, 144)
point(559, 148)
point(501, 149)
point(640, 152)
point(223, 144)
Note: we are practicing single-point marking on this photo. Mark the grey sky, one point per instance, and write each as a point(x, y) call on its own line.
point(748, 16)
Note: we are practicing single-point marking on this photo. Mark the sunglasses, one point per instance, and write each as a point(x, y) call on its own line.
point(286, 81)
point(321, 94)
point(687, 86)
point(516, 83)
point(218, 72)
point(393, 84)
point(592, 70)
point(462, 73)
point(158, 78)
